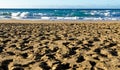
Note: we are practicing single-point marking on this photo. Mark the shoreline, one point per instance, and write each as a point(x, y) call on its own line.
point(58, 21)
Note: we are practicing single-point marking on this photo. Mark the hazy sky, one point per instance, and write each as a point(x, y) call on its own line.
point(59, 3)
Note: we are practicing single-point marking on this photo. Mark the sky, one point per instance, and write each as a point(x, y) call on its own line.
point(59, 3)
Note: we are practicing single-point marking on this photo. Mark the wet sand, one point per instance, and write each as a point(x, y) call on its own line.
point(64, 45)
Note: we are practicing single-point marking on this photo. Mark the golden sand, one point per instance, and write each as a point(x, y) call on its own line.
point(61, 45)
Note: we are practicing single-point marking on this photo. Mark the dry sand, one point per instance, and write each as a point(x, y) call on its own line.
point(54, 45)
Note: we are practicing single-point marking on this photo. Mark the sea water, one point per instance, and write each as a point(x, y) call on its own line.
point(60, 14)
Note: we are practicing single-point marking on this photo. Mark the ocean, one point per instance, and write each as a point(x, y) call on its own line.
point(60, 14)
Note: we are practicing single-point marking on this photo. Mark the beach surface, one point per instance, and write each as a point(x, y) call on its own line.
point(59, 45)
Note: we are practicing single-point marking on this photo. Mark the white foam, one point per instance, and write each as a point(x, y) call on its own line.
point(71, 18)
point(24, 14)
point(15, 14)
point(114, 19)
point(92, 18)
point(92, 13)
point(45, 18)
point(2, 17)
point(60, 18)
point(107, 14)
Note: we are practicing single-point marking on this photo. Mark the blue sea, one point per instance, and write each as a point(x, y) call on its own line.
point(60, 14)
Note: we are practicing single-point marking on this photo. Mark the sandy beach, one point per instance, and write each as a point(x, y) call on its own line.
point(59, 45)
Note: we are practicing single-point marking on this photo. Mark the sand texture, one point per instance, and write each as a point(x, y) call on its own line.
point(60, 46)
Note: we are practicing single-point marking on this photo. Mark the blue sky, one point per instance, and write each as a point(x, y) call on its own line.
point(59, 3)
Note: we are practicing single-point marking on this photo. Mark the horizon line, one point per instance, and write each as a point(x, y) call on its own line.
point(59, 8)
